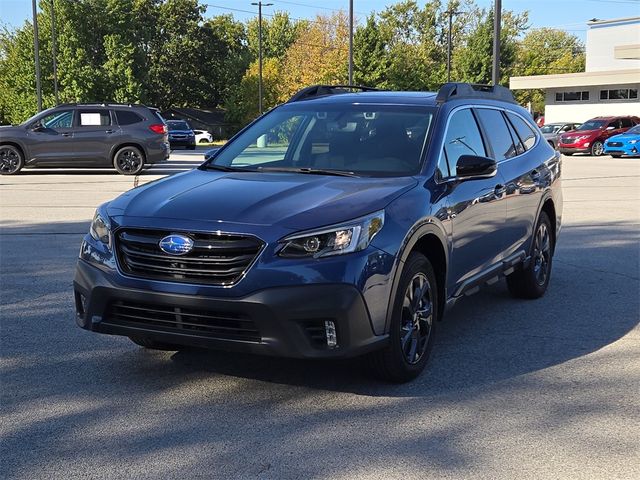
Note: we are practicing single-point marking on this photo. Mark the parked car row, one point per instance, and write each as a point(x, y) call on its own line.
point(595, 136)
point(124, 136)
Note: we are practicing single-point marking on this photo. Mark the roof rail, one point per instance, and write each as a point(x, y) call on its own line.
point(100, 104)
point(315, 91)
point(453, 91)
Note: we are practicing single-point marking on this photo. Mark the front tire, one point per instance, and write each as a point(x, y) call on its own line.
point(11, 160)
point(128, 161)
point(616, 156)
point(597, 148)
point(413, 323)
point(532, 282)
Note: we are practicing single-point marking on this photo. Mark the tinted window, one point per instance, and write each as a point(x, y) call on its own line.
point(59, 119)
point(178, 125)
point(592, 125)
point(462, 138)
point(497, 133)
point(516, 139)
point(635, 129)
point(126, 117)
point(91, 118)
point(626, 122)
point(525, 132)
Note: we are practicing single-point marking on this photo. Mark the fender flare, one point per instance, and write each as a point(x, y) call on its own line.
point(428, 226)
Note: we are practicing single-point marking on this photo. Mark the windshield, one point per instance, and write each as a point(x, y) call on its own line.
point(178, 125)
point(635, 130)
point(362, 139)
point(550, 128)
point(592, 125)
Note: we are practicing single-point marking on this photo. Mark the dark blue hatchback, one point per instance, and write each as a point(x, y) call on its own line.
point(339, 224)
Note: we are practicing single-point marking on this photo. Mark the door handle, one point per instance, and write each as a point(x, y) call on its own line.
point(499, 190)
point(67, 134)
point(109, 131)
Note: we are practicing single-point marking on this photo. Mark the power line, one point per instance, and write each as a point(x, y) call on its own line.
point(315, 6)
point(321, 22)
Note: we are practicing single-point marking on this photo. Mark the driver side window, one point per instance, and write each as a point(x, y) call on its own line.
point(462, 138)
point(59, 119)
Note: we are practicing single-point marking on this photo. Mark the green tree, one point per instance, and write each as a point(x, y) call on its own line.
point(545, 51)
point(278, 34)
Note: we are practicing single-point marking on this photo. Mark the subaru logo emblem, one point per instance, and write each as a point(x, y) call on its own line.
point(176, 244)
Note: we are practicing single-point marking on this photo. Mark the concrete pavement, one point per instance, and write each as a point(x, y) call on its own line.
point(515, 389)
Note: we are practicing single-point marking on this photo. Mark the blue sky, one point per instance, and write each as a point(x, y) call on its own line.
point(570, 15)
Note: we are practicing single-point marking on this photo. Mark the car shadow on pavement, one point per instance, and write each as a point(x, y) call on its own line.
point(72, 400)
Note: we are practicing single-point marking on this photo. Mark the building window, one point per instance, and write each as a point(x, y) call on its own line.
point(619, 94)
point(572, 96)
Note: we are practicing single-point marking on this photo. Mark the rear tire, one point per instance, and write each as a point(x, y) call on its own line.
point(191, 147)
point(153, 345)
point(11, 160)
point(568, 154)
point(616, 156)
point(413, 324)
point(128, 161)
point(532, 282)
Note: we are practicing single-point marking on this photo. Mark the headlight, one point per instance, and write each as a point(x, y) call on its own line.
point(347, 237)
point(583, 137)
point(633, 142)
point(100, 229)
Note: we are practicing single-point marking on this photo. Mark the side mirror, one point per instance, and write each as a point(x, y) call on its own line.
point(209, 154)
point(37, 127)
point(469, 167)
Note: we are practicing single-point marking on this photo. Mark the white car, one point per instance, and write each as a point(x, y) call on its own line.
point(202, 136)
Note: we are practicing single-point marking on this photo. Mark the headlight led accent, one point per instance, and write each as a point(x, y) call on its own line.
point(100, 230)
point(347, 237)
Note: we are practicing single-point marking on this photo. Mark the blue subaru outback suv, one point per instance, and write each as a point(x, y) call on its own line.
point(342, 223)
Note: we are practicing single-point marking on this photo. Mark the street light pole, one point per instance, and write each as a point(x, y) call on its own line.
point(497, 22)
point(350, 42)
point(260, 5)
point(36, 50)
point(54, 52)
point(451, 14)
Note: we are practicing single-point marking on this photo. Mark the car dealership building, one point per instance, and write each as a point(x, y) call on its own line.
point(609, 86)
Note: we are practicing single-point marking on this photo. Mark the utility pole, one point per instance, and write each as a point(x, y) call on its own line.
point(497, 22)
point(451, 13)
point(350, 42)
point(36, 49)
point(260, 5)
point(54, 52)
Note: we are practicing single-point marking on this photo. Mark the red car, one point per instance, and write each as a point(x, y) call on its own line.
point(591, 135)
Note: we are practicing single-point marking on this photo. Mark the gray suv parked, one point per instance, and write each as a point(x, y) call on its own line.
point(86, 135)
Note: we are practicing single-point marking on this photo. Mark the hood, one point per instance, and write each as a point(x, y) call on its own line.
point(549, 135)
point(290, 200)
point(10, 129)
point(579, 133)
point(624, 137)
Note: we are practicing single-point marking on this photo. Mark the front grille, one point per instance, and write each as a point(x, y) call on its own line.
point(614, 144)
point(216, 259)
point(568, 141)
point(186, 321)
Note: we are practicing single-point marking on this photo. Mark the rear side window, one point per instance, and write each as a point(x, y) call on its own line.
point(462, 138)
point(497, 133)
point(125, 117)
point(524, 131)
point(92, 118)
point(626, 122)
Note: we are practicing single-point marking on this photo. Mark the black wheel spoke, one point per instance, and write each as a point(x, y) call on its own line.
point(416, 318)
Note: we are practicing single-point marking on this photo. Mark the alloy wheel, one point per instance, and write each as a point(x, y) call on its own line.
point(9, 160)
point(541, 254)
point(417, 319)
point(129, 161)
point(598, 149)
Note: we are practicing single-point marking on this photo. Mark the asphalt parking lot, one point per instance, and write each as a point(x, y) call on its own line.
point(515, 389)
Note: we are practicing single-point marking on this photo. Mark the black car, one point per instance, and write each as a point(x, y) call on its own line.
point(86, 135)
point(338, 224)
point(181, 134)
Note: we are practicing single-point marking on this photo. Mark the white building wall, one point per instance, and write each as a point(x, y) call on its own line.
point(581, 111)
point(603, 37)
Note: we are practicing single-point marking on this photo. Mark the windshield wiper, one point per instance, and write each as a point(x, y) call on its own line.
point(309, 171)
point(224, 168)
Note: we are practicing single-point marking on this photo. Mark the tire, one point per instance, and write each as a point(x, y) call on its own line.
point(191, 147)
point(153, 345)
point(616, 156)
point(203, 140)
point(597, 148)
point(413, 324)
point(532, 282)
point(11, 160)
point(128, 161)
point(568, 154)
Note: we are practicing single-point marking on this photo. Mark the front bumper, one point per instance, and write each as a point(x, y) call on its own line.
point(290, 321)
point(573, 149)
point(624, 150)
